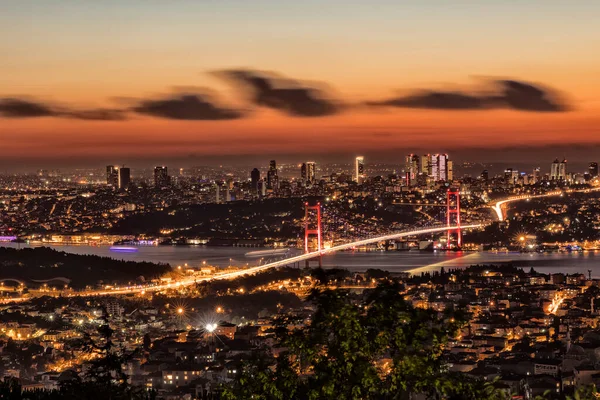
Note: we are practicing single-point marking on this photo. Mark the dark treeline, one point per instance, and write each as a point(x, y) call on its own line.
point(239, 219)
point(44, 263)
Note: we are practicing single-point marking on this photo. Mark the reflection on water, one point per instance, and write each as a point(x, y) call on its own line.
point(395, 261)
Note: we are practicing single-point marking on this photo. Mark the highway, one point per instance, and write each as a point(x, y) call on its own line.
point(498, 206)
point(256, 269)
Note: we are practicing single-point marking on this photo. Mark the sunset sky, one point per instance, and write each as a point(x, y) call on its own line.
point(134, 81)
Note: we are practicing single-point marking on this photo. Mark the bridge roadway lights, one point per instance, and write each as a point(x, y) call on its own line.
point(260, 268)
point(498, 206)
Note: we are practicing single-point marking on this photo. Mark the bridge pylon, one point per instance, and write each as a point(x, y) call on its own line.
point(453, 216)
point(312, 227)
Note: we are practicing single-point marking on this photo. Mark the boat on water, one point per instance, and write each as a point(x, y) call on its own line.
point(124, 249)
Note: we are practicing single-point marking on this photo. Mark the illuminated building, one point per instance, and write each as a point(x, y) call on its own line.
point(485, 175)
point(450, 171)
point(412, 167)
point(308, 172)
point(217, 194)
point(536, 175)
point(112, 176)
point(439, 167)
point(255, 178)
point(272, 178)
point(124, 178)
point(558, 170)
point(426, 164)
point(161, 176)
point(359, 169)
point(511, 176)
point(593, 169)
point(263, 187)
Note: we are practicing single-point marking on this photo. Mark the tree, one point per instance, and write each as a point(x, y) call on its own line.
point(377, 348)
point(147, 342)
point(105, 378)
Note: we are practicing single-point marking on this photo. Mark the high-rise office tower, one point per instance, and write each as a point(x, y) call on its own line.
point(308, 172)
point(303, 174)
point(450, 170)
point(554, 170)
point(426, 164)
point(412, 167)
point(508, 172)
point(562, 170)
point(311, 171)
point(124, 178)
point(558, 170)
point(359, 169)
point(112, 176)
point(443, 167)
point(263, 187)
point(593, 169)
point(439, 167)
point(255, 178)
point(272, 177)
point(161, 176)
point(485, 175)
point(536, 175)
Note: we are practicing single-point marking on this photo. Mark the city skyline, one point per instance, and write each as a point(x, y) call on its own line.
point(151, 82)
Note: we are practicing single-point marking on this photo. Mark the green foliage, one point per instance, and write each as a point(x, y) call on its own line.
point(381, 348)
point(376, 273)
point(105, 380)
point(585, 393)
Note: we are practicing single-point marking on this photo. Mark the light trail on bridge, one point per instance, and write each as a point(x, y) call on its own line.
point(256, 269)
point(497, 207)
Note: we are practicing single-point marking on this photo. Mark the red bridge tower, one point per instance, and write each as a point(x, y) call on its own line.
point(453, 216)
point(310, 228)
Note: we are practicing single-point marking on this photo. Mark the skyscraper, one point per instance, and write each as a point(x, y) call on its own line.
point(311, 171)
point(412, 167)
point(112, 176)
point(485, 175)
point(308, 172)
point(439, 167)
point(359, 169)
point(161, 176)
point(508, 176)
point(593, 169)
point(536, 175)
point(272, 177)
point(426, 164)
point(255, 178)
point(124, 178)
point(558, 170)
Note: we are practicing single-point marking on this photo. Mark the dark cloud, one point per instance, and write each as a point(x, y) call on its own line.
point(526, 97)
point(435, 100)
point(25, 108)
point(186, 107)
point(289, 96)
point(510, 94)
point(20, 108)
